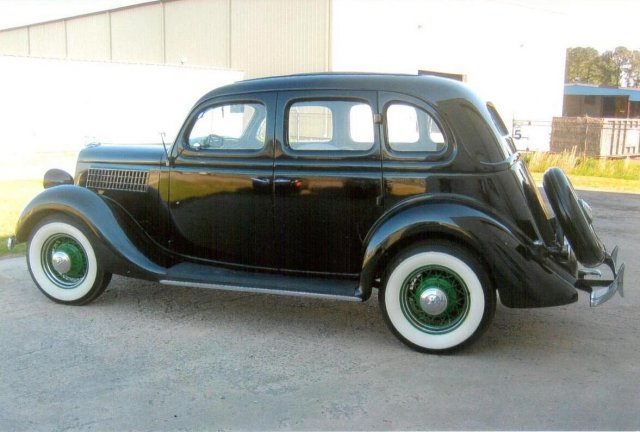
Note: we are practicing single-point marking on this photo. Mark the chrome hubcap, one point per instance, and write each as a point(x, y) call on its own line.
point(64, 261)
point(433, 301)
point(61, 262)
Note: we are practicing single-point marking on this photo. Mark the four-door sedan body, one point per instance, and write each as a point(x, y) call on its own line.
point(326, 185)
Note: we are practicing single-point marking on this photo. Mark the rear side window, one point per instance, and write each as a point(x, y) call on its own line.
point(411, 129)
point(508, 147)
point(238, 126)
point(333, 125)
point(497, 120)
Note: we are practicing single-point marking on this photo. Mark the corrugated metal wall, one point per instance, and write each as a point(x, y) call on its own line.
point(278, 36)
point(89, 38)
point(15, 42)
point(259, 37)
point(197, 31)
point(137, 35)
point(48, 40)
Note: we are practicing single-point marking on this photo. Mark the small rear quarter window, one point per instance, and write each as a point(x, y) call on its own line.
point(507, 143)
point(411, 129)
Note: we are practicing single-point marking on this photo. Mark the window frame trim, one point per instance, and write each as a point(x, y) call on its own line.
point(188, 151)
point(291, 97)
point(414, 155)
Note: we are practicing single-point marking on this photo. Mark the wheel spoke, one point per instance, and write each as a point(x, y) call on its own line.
point(64, 261)
point(451, 291)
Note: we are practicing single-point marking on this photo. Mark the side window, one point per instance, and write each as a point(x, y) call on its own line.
point(508, 147)
point(411, 129)
point(239, 126)
point(330, 126)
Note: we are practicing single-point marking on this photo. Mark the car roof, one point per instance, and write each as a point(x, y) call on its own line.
point(423, 86)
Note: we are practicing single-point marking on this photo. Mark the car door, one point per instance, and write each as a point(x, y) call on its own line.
point(414, 150)
point(220, 188)
point(328, 181)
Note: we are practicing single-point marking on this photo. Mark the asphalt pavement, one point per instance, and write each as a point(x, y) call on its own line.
point(150, 357)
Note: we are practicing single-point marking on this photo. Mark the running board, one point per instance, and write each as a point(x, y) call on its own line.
point(201, 276)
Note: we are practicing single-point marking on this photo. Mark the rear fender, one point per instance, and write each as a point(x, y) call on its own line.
point(114, 246)
point(522, 277)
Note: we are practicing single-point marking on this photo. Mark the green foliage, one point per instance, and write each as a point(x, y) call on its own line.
point(583, 65)
point(575, 164)
point(620, 67)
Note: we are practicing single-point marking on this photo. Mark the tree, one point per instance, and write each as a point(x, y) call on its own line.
point(610, 71)
point(634, 71)
point(620, 63)
point(582, 66)
point(619, 67)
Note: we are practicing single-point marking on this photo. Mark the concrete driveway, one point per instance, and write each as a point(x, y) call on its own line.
point(145, 357)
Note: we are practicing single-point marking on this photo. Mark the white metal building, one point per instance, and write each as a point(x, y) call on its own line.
point(495, 45)
point(259, 37)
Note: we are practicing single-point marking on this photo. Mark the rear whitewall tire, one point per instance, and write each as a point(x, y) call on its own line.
point(88, 280)
point(469, 288)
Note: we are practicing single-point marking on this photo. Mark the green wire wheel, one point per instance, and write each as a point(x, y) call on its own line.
point(63, 262)
point(434, 299)
point(437, 297)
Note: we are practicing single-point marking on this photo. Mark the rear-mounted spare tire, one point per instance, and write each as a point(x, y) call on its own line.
point(574, 216)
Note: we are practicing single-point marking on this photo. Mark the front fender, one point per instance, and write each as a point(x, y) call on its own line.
point(114, 247)
point(522, 277)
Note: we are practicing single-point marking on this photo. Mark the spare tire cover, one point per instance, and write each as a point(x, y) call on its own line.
point(573, 218)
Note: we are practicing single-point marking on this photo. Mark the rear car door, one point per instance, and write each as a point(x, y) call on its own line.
point(415, 148)
point(327, 179)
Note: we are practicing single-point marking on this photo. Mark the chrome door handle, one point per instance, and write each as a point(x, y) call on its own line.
point(265, 181)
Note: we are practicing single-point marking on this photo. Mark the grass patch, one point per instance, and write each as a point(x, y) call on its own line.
point(576, 165)
point(16, 251)
point(603, 184)
point(14, 196)
point(610, 175)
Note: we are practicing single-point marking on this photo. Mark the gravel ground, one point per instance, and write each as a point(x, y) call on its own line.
point(148, 357)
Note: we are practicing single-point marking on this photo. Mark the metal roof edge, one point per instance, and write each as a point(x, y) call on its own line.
point(594, 90)
point(71, 17)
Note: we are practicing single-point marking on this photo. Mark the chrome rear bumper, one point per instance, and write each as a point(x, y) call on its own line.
point(603, 290)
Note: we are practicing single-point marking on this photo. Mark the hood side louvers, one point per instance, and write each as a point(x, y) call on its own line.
point(117, 179)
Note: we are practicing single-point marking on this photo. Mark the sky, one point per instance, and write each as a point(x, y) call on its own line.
point(602, 24)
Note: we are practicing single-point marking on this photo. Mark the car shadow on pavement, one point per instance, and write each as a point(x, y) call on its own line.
point(513, 330)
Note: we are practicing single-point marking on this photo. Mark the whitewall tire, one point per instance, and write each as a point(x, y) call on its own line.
point(437, 297)
point(63, 263)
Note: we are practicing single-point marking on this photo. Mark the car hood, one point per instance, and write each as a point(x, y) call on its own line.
point(152, 154)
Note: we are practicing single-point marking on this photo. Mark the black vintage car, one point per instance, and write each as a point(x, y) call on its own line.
point(327, 185)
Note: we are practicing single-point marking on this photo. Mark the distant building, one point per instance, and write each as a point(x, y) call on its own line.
point(595, 101)
point(598, 121)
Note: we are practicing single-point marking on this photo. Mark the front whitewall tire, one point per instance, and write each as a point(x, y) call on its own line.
point(90, 280)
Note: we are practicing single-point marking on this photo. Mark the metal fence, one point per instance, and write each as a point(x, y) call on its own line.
point(600, 137)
